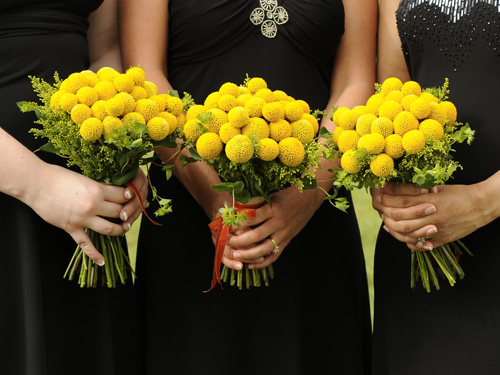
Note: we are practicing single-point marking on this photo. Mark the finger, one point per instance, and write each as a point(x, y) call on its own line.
point(403, 189)
point(267, 261)
point(116, 194)
point(262, 214)
point(405, 226)
point(103, 226)
point(414, 212)
point(231, 263)
point(418, 239)
point(252, 236)
point(83, 240)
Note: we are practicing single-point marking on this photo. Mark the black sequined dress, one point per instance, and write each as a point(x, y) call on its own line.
point(49, 325)
point(455, 330)
point(314, 317)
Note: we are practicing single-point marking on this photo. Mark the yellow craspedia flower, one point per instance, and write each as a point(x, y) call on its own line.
point(209, 145)
point(218, 118)
point(54, 99)
point(395, 95)
point(364, 123)
point(268, 149)
point(109, 124)
point(347, 119)
point(242, 99)
point(99, 109)
point(349, 162)
point(407, 100)
point(279, 130)
point(374, 102)
point(181, 119)
point(137, 74)
point(336, 133)
point(147, 108)
point(212, 100)
point(265, 94)
point(115, 106)
point(411, 88)
point(390, 84)
point(191, 130)
point(255, 84)
point(257, 126)
point(303, 131)
point(394, 146)
point(451, 112)
point(244, 90)
point(432, 128)
point(174, 105)
point(337, 113)
point(239, 149)
point(161, 100)
point(158, 128)
point(228, 131)
point(87, 95)
point(123, 83)
point(80, 112)
point(75, 82)
point(421, 108)
point(67, 101)
point(273, 111)
point(305, 105)
point(254, 106)
point(139, 93)
point(63, 86)
point(91, 129)
point(227, 101)
point(294, 111)
point(382, 165)
point(348, 140)
point(194, 111)
point(106, 73)
point(134, 117)
point(429, 97)
point(91, 77)
point(404, 122)
point(105, 90)
point(438, 113)
point(413, 141)
point(229, 88)
point(360, 110)
point(171, 121)
point(383, 126)
point(291, 152)
point(151, 88)
point(374, 143)
point(128, 102)
point(389, 109)
point(238, 117)
point(280, 95)
point(314, 122)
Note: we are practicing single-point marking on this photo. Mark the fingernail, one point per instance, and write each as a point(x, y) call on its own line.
point(238, 266)
point(424, 191)
point(426, 247)
point(434, 189)
point(128, 194)
point(430, 210)
point(386, 229)
point(125, 216)
point(431, 231)
point(100, 263)
point(236, 255)
point(129, 226)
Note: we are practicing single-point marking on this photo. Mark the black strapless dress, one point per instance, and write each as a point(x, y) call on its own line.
point(48, 325)
point(455, 330)
point(314, 317)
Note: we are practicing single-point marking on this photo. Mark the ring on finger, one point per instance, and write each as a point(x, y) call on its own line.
point(276, 247)
point(421, 240)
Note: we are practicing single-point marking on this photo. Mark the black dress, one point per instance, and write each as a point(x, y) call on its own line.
point(314, 317)
point(455, 330)
point(48, 325)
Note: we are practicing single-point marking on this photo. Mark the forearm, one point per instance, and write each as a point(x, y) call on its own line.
point(488, 198)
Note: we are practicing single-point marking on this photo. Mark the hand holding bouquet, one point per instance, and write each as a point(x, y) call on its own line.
point(403, 134)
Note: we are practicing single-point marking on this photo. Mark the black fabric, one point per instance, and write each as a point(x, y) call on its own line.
point(455, 330)
point(314, 318)
point(48, 325)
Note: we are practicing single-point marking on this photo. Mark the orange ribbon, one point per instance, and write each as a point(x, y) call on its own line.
point(138, 194)
point(221, 239)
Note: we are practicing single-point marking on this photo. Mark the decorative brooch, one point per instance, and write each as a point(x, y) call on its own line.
point(269, 16)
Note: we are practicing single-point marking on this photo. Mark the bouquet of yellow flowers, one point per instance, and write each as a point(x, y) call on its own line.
point(258, 141)
point(108, 124)
point(403, 134)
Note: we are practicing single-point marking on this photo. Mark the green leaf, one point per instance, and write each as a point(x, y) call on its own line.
point(120, 178)
point(166, 143)
point(49, 147)
point(229, 187)
point(185, 160)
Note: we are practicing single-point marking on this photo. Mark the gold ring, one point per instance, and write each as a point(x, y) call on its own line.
point(276, 247)
point(421, 240)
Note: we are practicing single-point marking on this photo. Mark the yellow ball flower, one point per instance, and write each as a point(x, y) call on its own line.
point(337, 113)
point(238, 117)
point(194, 111)
point(91, 129)
point(151, 88)
point(227, 101)
point(404, 122)
point(407, 100)
point(191, 130)
point(413, 141)
point(171, 121)
point(219, 118)
point(161, 100)
point(451, 112)
point(348, 140)
point(280, 95)
point(421, 108)
point(67, 101)
point(360, 110)
point(106, 73)
point(123, 83)
point(257, 126)
point(139, 93)
point(87, 95)
point(303, 131)
point(374, 102)
point(265, 94)
point(438, 113)
point(391, 84)
point(255, 84)
point(105, 90)
point(147, 108)
point(244, 90)
point(132, 117)
point(279, 130)
point(75, 82)
point(305, 105)
point(228, 131)
point(349, 162)
point(364, 123)
point(411, 88)
point(254, 106)
point(429, 97)
point(181, 119)
point(389, 109)
point(291, 152)
point(273, 111)
point(174, 105)
point(374, 143)
point(212, 100)
point(115, 106)
point(99, 109)
point(209, 145)
point(294, 111)
point(382, 165)
point(54, 99)
point(242, 99)
point(80, 112)
point(394, 146)
point(109, 124)
point(382, 125)
point(347, 119)
point(137, 74)
point(395, 95)
point(312, 120)
point(239, 149)
point(268, 149)
point(158, 128)
point(91, 77)
point(432, 128)
point(128, 102)
point(335, 136)
point(229, 88)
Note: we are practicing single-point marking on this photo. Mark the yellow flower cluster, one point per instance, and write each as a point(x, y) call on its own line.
point(252, 120)
point(106, 100)
point(395, 120)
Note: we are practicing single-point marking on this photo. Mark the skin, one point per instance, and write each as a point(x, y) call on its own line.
point(409, 212)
